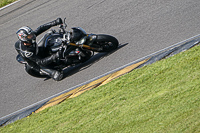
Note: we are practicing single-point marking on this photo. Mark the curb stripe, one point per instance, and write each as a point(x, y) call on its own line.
point(99, 82)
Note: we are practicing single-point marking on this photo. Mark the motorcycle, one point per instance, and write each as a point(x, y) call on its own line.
point(78, 47)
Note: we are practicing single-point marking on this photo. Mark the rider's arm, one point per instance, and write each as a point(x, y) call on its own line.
point(47, 26)
point(43, 61)
point(29, 54)
point(47, 60)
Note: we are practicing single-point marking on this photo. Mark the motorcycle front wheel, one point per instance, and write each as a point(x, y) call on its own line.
point(106, 42)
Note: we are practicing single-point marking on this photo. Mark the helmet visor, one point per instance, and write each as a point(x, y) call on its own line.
point(23, 36)
point(30, 37)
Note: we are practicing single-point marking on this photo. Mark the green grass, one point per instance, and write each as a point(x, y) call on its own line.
point(5, 2)
point(162, 97)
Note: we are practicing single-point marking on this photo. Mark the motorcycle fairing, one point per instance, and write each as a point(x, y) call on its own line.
point(77, 34)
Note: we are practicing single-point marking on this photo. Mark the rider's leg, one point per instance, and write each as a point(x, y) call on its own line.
point(36, 70)
point(54, 74)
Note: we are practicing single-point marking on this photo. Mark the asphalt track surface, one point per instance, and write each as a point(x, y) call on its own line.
point(142, 27)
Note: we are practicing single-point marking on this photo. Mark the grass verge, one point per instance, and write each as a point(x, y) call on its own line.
point(5, 2)
point(162, 97)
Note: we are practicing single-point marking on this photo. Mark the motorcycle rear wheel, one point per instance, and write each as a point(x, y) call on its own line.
point(106, 42)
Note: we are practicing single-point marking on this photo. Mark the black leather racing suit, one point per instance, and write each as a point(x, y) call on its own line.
point(35, 57)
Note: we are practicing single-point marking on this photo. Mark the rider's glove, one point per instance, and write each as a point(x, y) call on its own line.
point(60, 52)
point(58, 21)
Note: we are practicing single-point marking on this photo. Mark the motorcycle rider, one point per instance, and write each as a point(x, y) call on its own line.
point(26, 46)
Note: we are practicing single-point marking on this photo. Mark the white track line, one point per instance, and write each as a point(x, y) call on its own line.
point(9, 5)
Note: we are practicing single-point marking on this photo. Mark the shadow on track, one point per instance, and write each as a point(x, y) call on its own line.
point(75, 69)
point(95, 58)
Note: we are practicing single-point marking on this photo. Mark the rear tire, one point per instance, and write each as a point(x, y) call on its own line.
point(106, 42)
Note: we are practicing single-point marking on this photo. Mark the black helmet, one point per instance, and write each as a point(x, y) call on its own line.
point(25, 34)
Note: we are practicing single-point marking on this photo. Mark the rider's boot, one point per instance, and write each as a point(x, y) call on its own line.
point(54, 74)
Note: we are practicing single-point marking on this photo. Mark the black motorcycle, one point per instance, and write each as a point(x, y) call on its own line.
point(78, 47)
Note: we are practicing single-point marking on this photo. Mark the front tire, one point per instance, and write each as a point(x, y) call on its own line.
point(106, 42)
